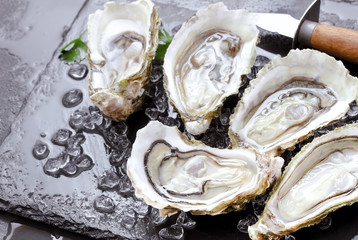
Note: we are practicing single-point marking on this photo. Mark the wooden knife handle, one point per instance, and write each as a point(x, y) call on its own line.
point(336, 41)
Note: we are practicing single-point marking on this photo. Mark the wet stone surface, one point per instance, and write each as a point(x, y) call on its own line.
point(85, 156)
point(14, 75)
point(11, 13)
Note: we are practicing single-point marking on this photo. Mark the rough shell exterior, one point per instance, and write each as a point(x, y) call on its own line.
point(121, 98)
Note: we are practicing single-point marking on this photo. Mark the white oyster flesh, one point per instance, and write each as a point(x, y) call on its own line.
point(171, 173)
point(290, 98)
point(321, 178)
point(205, 62)
point(122, 40)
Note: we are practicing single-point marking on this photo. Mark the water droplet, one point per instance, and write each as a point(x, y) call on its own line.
point(140, 208)
point(325, 223)
point(104, 204)
point(261, 61)
point(258, 204)
point(353, 110)
point(43, 135)
point(106, 123)
point(117, 157)
point(73, 145)
point(74, 151)
point(225, 118)
point(129, 219)
point(169, 121)
point(109, 180)
point(154, 237)
point(76, 140)
point(320, 132)
point(214, 139)
point(217, 127)
point(161, 102)
point(61, 136)
point(156, 218)
point(40, 150)
point(83, 162)
point(157, 73)
point(173, 232)
point(119, 128)
point(92, 121)
point(152, 91)
point(289, 237)
point(186, 222)
point(70, 169)
point(116, 137)
point(78, 71)
point(53, 166)
point(77, 118)
point(72, 98)
point(125, 185)
point(244, 224)
point(152, 113)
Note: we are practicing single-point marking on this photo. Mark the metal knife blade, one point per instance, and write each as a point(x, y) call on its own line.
point(287, 25)
point(283, 24)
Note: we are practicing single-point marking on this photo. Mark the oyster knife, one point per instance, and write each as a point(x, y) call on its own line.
point(307, 32)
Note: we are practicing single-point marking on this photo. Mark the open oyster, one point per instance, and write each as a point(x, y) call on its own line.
point(205, 62)
point(290, 98)
point(321, 178)
point(122, 40)
point(172, 173)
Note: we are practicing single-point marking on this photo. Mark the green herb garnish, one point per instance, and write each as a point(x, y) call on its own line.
point(164, 40)
point(76, 53)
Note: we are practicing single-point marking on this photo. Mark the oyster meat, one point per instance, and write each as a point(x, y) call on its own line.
point(321, 178)
point(205, 62)
point(172, 173)
point(122, 40)
point(290, 98)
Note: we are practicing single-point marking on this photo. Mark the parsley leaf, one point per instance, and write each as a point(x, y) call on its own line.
point(76, 53)
point(164, 40)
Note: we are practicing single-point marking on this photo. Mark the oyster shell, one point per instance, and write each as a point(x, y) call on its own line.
point(290, 98)
point(321, 178)
point(122, 40)
point(172, 173)
point(205, 62)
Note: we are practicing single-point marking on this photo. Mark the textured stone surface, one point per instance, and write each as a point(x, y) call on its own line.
point(91, 203)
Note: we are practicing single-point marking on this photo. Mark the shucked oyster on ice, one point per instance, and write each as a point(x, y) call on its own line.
point(321, 178)
point(172, 173)
point(290, 98)
point(122, 40)
point(205, 62)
